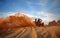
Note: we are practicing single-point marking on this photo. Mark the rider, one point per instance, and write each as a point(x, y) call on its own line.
point(38, 22)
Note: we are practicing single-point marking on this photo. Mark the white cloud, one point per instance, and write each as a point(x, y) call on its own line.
point(45, 16)
point(55, 3)
point(28, 2)
point(42, 2)
point(57, 10)
point(15, 13)
point(30, 6)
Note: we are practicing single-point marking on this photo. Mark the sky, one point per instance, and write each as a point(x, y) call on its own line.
point(47, 10)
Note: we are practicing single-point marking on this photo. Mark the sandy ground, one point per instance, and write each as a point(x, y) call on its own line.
point(32, 32)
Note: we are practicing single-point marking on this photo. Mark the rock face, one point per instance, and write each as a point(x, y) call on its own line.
point(15, 21)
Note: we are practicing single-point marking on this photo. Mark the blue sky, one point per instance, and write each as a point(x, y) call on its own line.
point(47, 10)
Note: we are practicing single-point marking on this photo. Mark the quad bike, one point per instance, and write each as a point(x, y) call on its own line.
point(39, 22)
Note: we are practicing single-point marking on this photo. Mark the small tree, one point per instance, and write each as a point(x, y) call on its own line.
point(53, 23)
point(58, 22)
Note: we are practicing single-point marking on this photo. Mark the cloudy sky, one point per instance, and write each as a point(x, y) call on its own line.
point(47, 10)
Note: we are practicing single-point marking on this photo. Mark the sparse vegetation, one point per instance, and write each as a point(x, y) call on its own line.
point(54, 23)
